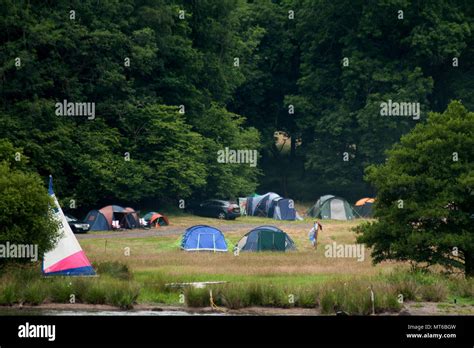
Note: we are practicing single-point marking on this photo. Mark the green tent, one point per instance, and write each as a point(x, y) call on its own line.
point(266, 238)
point(331, 207)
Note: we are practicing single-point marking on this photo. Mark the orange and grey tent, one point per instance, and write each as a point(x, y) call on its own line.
point(101, 219)
point(156, 219)
point(363, 207)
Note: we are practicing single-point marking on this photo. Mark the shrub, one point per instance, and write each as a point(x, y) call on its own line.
point(123, 295)
point(79, 288)
point(307, 298)
point(196, 297)
point(8, 294)
point(60, 291)
point(114, 269)
point(35, 292)
point(96, 293)
point(463, 287)
point(434, 292)
point(26, 217)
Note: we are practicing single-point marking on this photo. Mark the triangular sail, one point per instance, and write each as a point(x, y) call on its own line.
point(67, 258)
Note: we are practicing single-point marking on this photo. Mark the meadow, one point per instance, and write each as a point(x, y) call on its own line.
point(149, 270)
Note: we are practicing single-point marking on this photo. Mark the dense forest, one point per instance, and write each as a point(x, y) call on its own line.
point(173, 82)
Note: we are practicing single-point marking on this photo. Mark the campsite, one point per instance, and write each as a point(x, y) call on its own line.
point(301, 165)
point(250, 264)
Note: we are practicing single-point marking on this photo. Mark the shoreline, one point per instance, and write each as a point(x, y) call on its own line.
point(410, 308)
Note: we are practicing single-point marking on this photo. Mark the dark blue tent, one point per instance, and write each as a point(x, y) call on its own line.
point(282, 209)
point(203, 238)
point(101, 220)
point(97, 221)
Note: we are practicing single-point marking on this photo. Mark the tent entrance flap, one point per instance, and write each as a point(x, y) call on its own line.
point(338, 211)
point(269, 240)
point(205, 240)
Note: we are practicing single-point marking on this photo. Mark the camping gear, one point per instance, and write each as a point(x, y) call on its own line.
point(102, 219)
point(266, 238)
point(364, 207)
point(203, 238)
point(242, 201)
point(67, 257)
point(155, 219)
point(331, 207)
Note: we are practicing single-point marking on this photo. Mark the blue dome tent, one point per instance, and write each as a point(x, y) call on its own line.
point(203, 238)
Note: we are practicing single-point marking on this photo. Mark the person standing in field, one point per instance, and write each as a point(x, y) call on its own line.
point(313, 233)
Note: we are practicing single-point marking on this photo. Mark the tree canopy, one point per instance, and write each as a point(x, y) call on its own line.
point(425, 194)
point(173, 82)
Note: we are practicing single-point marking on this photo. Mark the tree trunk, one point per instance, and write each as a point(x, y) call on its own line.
point(469, 264)
point(292, 147)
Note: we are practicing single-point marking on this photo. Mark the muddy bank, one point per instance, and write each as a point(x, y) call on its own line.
point(410, 308)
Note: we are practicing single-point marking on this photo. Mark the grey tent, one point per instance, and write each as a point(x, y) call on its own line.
point(331, 207)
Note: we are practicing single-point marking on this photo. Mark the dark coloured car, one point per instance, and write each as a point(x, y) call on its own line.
point(76, 225)
point(217, 209)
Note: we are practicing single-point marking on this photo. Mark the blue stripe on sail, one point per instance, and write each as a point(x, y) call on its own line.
point(80, 271)
point(50, 188)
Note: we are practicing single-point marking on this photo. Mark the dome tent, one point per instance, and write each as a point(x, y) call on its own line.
point(364, 207)
point(259, 205)
point(101, 220)
point(156, 219)
point(271, 205)
point(203, 238)
point(266, 238)
point(331, 207)
point(282, 209)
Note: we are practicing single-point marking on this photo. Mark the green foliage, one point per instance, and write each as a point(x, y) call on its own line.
point(224, 129)
point(337, 107)
point(173, 62)
point(190, 62)
point(25, 204)
point(425, 194)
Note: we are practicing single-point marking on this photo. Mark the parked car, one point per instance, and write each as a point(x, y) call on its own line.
point(216, 208)
point(76, 225)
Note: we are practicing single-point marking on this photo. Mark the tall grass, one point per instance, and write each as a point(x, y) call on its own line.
point(420, 285)
point(114, 286)
point(114, 269)
point(353, 297)
point(26, 285)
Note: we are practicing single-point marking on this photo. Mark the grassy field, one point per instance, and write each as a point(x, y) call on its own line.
point(161, 254)
point(140, 269)
point(157, 261)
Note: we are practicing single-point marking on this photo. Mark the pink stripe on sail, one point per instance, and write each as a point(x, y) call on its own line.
point(76, 260)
